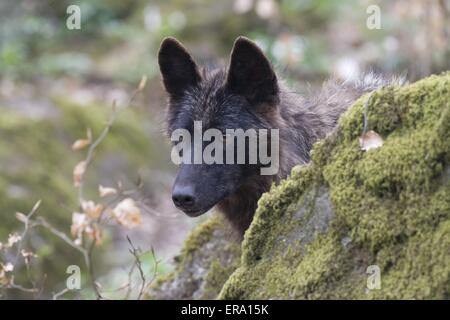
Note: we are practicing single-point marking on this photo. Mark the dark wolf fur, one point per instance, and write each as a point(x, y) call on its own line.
point(247, 95)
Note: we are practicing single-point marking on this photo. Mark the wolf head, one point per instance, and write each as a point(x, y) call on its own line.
point(243, 96)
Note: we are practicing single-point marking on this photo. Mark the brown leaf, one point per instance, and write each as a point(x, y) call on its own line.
point(21, 217)
point(106, 191)
point(142, 82)
point(28, 255)
point(127, 213)
point(92, 210)
point(79, 224)
point(82, 143)
point(13, 239)
point(370, 140)
point(78, 173)
point(94, 233)
point(8, 267)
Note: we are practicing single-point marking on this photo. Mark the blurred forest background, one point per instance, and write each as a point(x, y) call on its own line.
point(56, 83)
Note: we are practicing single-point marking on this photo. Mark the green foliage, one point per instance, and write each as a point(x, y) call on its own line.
point(307, 38)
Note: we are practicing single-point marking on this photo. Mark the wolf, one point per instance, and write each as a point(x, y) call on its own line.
point(246, 94)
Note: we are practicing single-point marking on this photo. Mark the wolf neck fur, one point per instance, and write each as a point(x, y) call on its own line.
point(301, 121)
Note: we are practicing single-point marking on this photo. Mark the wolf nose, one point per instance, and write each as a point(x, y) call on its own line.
point(183, 197)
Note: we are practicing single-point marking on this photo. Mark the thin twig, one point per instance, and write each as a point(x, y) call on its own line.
point(87, 254)
point(25, 230)
point(155, 269)
point(90, 267)
point(101, 137)
point(60, 293)
point(61, 235)
point(90, 154)
point(21, 288)
point(87, 250)
point(136, 252)
point(26, 221)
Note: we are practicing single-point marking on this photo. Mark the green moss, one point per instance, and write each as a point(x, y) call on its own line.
point(199, 236)
point(218, 274)
point(391, 208)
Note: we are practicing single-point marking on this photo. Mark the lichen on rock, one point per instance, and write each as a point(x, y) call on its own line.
point(317, 233)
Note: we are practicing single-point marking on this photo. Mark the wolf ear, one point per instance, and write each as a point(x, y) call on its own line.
point(250, 73)
point(177, 67)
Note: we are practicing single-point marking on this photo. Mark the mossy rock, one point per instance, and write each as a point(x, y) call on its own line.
point(322, 232)
point(208, 258)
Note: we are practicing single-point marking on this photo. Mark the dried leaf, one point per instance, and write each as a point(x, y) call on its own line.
point(370, 140)
point(94, 233)
point(79, 224)
point(142, 82)
point(78, 173)
point(127, 213)
point(12, 239)
point(80, 144)
point(27, 255)
point(21, 217)
point(91, 209)
point(8, 267)
point(36, 206)
point(106, 191)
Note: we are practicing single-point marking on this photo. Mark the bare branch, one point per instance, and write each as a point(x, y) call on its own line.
point(60, 293)
point(136, 252)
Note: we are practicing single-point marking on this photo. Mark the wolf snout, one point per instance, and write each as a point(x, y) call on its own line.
point(184, 198)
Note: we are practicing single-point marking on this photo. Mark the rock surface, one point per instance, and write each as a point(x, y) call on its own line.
point(208, 258)
point(352, 224)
